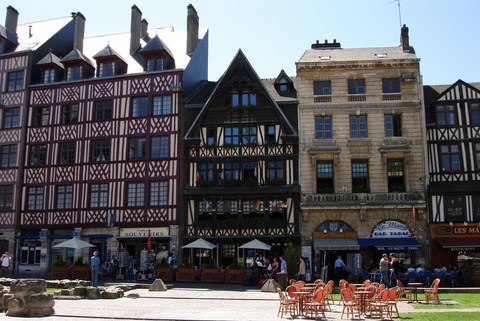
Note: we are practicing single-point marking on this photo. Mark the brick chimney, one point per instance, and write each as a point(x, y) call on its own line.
point(192, 29)
point(404, 39)
point(135, 29)
point(11, 21)
point(79, 34)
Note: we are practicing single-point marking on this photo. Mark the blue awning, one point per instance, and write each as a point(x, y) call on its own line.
point(366, 242)
point(396, 244)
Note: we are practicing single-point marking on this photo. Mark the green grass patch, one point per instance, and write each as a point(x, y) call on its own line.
point(464, 300)
point(444, 316)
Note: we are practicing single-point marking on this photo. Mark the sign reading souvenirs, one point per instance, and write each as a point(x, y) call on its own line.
point(390, 228)
point(143, 232)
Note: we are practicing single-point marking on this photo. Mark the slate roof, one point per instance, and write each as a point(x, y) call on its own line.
point(50, 58)
point(331, 56)
point(108, 52)
point(75, 55)
point(34, 34)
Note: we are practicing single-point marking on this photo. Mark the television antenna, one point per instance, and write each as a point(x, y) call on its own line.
point(399, 11)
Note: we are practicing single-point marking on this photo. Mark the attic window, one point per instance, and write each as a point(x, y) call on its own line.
point(381, 55)
point(325, 57)
point(283, 85)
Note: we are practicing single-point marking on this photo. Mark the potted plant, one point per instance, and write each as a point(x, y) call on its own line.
point(60, 269)
point(80, 270)
point(162, 270)
point(185, 273)
point(235, 273)
point(210, 273)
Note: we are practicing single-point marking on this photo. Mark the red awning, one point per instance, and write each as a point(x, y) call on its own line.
point(459, 243)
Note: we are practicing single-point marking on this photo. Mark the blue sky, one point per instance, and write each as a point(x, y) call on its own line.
point(273, 34)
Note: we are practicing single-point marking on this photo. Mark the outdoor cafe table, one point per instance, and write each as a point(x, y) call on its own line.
point(362, 295)
point(415, 286)
point(300, 297)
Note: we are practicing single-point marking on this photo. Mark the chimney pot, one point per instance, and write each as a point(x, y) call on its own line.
point(135, 29)
point(192, 29)
point(11, 21)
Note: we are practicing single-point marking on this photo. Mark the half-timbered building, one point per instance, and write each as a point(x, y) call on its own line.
point(102, 158)
point(362, 168)
point(453, 142)
point(21, 48)
point(241, 150)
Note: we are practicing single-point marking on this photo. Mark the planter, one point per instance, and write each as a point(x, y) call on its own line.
point(80, 272)
point(234, 276)
point(185, 275)
point(60, 272)
point(210, 275)
point(163, 273)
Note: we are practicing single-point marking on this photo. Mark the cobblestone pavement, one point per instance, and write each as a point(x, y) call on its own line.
point(185, 302)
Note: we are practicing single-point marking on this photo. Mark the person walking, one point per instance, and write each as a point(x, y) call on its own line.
point(301, 275)
point(283, 265)
point(384, 269)
point(95, 266)
point(5, 263)
point(340, 268)
point(394, 270)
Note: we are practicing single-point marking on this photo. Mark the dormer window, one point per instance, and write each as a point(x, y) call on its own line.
point(284, 85)
point(48, 76)
point(74, 73)
point(106, 69)
point(154, 64)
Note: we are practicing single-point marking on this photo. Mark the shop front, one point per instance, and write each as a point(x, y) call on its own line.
point(139, 249)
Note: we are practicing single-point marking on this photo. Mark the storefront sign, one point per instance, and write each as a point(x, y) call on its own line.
point(143, 232)
point(391, 229)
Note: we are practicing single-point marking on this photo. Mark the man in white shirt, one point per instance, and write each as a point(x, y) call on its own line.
point(5, 263)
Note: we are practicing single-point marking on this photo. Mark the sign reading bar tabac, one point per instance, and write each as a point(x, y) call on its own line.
point(391, 228)
point(143, 232)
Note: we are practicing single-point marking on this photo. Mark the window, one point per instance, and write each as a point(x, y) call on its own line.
point(107, 69)
point(358, 126)
point(450, 158)
point(136, 149)
point(211, 136)
point(275, 172)
point(136, 194)
point(162, 105)
point(475, 113)
point(249, 170)
point(100, 151)
point(360, 183)
point(159, 193)
point(38, 155)
point(30, 253)
point(325, 177)
point(271, 135)
point(396, 182)
point(445, 115)
point(477, 155)
point(48, 76)
point(455, 210)
point(476, 207)
point(41, 116)
point(244, 99)
point(393, 125)
point(231, 171)
point(74, 73)
point(9, 156)
point(35, 198)
point(11, 117)
point(6, 198)
point(391, 85)
point(103, 110)
point(139, 106)
point(154, 64)
point(69, 114)
point(160, 147)
point(65, 197)
point(356, 86)
point(283, 86)
point(15, 80)
point(231, 136)
point(66, 153)
point(206, 172)
point(249, 135)
point(322, 87)
point(99, 195)
point(323, 127)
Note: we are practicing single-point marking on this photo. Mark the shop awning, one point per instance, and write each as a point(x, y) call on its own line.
point(396, 244)
point(459, 243)
point(335, 244)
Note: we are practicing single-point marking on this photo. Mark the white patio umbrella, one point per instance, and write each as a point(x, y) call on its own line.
point(73, 243)
point(200, 244)
point(255, 245)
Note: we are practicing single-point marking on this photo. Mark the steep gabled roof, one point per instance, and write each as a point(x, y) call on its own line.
point(240, 62)
point(76, 55)
point(108, 52)
point(156, 44)
point(459, 90)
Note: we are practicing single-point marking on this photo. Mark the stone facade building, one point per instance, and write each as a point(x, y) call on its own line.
point(362, 154)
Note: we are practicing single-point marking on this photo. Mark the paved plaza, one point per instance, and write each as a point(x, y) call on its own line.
point(186, 302)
